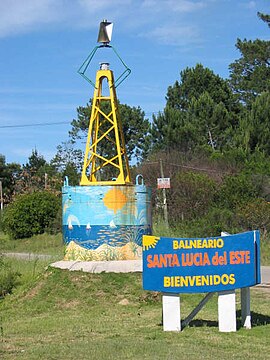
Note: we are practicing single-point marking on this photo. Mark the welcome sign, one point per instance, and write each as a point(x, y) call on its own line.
point(181, 265)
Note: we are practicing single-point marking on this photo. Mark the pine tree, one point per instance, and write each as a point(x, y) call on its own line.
point(250, 74)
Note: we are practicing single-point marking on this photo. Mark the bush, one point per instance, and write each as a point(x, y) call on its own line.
point(8, 277)
point(55, 225)
point(192, 196)
point(237, 190)
point(30, 214)
point(216, 221)
point(255, 216)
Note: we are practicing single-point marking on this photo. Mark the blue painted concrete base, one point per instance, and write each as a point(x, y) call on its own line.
point(105, 222)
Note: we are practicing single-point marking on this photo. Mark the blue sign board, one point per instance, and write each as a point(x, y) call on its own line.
point(181, 265)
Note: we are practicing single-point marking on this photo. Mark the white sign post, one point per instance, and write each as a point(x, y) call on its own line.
point(171, 312)
point(226, 311)
point(226, 308)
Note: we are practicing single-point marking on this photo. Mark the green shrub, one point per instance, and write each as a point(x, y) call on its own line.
point(191, 197)
point(8, 277)
point(30, 214)
point(258, 163)
point(216, 221)
point(234, 159)
point(237, 190)
point(55, 225)
point(255, 215)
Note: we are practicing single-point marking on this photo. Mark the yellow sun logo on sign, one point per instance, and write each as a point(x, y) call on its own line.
point(149, 241)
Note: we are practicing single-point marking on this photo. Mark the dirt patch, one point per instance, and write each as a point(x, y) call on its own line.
point(34, 291)
point(263, 287)
point(69, 305)
point(124, 302)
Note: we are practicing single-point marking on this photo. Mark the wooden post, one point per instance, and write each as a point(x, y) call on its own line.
point(171, 312)
point(1, 197)
point(165, 207)
point(46, 181)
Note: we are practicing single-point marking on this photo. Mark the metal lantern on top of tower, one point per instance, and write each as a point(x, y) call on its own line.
point(106, 216)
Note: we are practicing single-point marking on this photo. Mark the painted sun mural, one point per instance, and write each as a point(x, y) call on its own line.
point(105, 222)
point(115, 199)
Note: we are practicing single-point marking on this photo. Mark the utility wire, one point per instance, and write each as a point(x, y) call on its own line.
point(29, 125)
point(192, 167)
point(182, 166)
point(50, 123)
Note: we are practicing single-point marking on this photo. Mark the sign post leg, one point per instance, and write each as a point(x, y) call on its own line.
point(171, 312)
point(226, 311)
point(245, 307)
point(196, 310)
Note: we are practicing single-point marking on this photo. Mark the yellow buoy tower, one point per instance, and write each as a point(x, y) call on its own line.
point(105, 126)
point(105, 217)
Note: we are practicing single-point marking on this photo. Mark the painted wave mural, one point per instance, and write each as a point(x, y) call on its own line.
point(105, 222)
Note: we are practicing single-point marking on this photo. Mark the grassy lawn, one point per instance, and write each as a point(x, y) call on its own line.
point(58, 314)
point(39, 244)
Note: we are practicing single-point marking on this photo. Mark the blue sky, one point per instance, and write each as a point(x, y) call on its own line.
point(44, 42)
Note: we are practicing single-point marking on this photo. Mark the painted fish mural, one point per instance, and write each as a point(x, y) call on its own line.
point(105, 222)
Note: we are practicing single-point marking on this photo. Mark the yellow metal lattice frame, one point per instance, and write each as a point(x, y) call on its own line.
point(94, 162)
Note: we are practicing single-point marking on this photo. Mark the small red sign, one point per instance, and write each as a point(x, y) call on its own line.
point(163, 183)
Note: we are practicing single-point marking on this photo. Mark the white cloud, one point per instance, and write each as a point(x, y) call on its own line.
point(170, 25)
point(22, 16)
point(251, 5)
point(180, 6)
point(92, 6)
point(186, 6)
point(18, 16)
point(173, 35)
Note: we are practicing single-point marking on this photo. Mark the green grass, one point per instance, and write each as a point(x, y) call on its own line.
point(265, 251)
point(39, 244)
point(29, 271)
point(56, 314)
point(74, 315)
